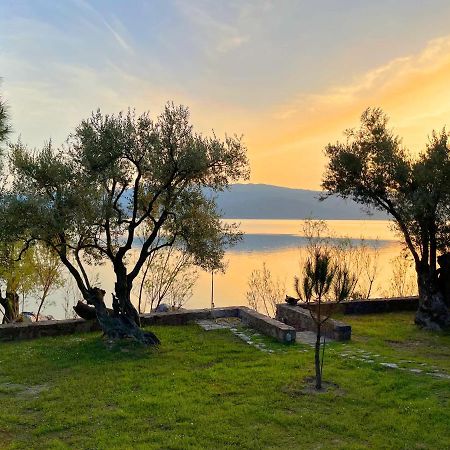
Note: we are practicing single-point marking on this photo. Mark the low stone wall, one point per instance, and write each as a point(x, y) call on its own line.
point(301, 320)
point(372, 306)
point(264, 324)
point(13, 331)
point(185, 316)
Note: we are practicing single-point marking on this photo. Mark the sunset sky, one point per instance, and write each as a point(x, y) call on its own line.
point(288, 75)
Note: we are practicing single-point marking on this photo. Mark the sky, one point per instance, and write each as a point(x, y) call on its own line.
point(290, 76)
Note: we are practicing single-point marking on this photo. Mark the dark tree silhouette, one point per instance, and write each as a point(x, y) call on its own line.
point(374, 169)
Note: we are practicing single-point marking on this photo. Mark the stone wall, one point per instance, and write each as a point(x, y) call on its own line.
point(301, 320)
point(372, 306)
point(264, 324)
point(44, 328)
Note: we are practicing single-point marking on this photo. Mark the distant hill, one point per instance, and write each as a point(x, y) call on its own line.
point(263, 201)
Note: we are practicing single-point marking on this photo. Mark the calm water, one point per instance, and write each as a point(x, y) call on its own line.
point(280, 245)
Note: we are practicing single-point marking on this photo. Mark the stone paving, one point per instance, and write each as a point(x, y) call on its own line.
point(411, 366)
point(252, 337)
point(248, 335)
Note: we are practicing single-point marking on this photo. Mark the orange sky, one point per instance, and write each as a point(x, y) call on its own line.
point(289, 76)
point(285, 143)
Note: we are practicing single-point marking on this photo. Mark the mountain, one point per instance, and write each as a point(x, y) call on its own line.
point(263, 201)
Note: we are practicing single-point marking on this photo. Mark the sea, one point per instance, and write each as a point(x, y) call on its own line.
point(278, 244)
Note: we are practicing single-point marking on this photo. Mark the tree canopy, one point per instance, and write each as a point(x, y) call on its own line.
point(373, 168)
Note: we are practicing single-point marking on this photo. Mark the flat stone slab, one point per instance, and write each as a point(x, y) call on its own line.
point(210, 325)
point(301, 320)
point(309, 337)
point(305, 337)
point(266, 325)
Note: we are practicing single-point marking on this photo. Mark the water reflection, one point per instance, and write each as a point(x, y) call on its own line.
point(278, 243)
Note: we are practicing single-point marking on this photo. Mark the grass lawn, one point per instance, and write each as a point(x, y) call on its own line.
point(211, 390)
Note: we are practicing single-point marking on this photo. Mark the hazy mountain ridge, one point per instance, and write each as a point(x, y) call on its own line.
point(263, 201)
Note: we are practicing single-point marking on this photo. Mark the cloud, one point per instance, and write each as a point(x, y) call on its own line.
point(118, 37)
point(381, 83)
point(287, 145)
point(224, 35)
point(114, 26)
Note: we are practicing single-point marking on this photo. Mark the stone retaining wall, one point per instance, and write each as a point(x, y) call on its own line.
point(264, 324)
point(13, 331)
point(301, 320)
point(372, 306)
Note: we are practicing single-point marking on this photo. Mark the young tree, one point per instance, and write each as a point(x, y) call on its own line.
point(119, 173)
point(16, 273)
point(47, 267)
point(169, 276)
point(402, 282)
point(373, 169)
point(323, 280)
point(264, 291)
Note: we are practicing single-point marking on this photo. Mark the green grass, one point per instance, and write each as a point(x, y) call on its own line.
point(210, 390)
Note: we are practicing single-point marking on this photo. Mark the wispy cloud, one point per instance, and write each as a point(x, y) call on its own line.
point(225, 36)
point(114, 25)
point(286, 142)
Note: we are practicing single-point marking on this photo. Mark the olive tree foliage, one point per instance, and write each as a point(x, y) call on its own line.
point(374, 169)
point(9, 302)
point(118, 174)
point(5, 130)
point(5, 127)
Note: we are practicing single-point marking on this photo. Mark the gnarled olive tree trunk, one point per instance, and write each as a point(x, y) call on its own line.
point(118, 325)
point(10, 303)
point(433, 312)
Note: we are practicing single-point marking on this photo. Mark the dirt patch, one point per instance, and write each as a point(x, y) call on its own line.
point(5, 437)
point(22, 390)
point(327, 386)
point(404, 344)
point(308, 387)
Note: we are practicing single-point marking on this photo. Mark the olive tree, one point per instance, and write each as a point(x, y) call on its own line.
point(116, 175)
point(374, 169)
point(17, 276)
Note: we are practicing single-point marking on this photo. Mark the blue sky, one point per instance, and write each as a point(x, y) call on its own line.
point(276, 71)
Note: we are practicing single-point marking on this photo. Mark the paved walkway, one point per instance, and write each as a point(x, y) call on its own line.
point(366, 357)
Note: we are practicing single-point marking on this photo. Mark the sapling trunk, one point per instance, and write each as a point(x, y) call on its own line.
point(317, 359)
point(323, 356)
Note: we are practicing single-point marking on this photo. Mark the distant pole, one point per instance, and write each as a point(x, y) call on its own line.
point(212, 289)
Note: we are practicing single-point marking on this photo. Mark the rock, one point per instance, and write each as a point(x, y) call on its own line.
point(390, 365)
point(28, 317)
point(162, 307)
